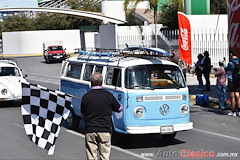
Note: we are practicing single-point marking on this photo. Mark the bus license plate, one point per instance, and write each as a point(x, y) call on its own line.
point(166, 129)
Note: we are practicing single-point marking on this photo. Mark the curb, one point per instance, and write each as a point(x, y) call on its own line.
point(27, 55)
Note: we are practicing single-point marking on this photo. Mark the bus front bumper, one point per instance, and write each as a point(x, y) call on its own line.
point(160, 129)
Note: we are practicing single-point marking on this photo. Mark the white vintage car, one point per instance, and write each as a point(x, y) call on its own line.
point(10, 81)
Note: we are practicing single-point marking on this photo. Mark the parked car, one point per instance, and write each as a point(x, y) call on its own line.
point(10, 81)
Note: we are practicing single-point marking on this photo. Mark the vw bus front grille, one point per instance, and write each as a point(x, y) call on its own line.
point(162, 98)
point(153, 98)
point(173, 97)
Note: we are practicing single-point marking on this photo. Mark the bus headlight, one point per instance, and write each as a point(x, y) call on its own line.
point(139, 111)
point(184, 109)
point(4, 91)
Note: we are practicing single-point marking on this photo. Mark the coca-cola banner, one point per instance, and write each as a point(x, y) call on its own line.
point(233, 25)
point(184, 40)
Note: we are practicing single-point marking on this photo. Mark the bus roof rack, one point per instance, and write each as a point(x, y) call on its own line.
point(100, 54)
point(147, 50)
point(141, 52)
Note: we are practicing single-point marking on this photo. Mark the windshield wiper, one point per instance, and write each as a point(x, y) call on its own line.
point(142, 86)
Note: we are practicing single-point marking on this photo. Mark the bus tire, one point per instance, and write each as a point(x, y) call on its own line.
point(169, 137)
point(73, 121)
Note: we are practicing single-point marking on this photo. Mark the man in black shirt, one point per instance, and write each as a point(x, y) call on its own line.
point(97, 106)
point(206, 64)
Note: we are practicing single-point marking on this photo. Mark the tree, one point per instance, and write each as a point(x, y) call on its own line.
point(59, 21)
point(85, 5)
point(1, 30)
point(153, 4)
point(218, 6)
point(43, 21)
point(168, 16)
point(17, 23)
point(51, 21)
point(73, 4)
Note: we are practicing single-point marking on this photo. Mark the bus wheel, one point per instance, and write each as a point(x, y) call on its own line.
point(169, 137)
point(73, 121)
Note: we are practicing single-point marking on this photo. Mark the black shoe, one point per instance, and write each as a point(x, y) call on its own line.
point(206, 90)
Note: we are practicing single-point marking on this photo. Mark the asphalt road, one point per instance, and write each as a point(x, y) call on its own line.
point(214, 134)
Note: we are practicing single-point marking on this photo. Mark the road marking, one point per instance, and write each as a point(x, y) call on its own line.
point(18, 125)
point(75, 133)
point(114, 147)
point(22, 55)
point(217, 134)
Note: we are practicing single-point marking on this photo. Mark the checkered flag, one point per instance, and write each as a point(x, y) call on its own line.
point(43, 111)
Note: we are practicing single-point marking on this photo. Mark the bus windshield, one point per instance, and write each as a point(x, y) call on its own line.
point(154, 76)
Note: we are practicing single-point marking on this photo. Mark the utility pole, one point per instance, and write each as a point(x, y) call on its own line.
point(155, 35)
point(155, 23)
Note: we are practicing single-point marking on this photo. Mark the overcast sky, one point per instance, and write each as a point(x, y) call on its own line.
point(18, 3)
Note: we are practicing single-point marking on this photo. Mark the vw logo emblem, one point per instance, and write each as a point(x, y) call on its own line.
point(164, 109)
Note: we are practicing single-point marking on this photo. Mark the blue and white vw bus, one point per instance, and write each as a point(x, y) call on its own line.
point(152, 91)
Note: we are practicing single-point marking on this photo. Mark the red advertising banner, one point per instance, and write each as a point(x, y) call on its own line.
point(184, 40)
point(233, 25)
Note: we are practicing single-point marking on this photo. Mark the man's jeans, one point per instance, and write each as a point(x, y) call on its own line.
point(206, 76)
point(222, 96)
point(200, 81)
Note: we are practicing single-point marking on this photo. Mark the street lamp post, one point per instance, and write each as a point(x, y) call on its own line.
point(155, 23)
point(155, 35)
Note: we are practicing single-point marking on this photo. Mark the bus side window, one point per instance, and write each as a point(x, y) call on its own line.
point(74, 71)
point(88, 72)
point(114, 77)
point(99, 69)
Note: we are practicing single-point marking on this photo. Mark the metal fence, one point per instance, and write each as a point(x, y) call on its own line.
point(215, 41)
point(143, 40)
point(133, 39)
